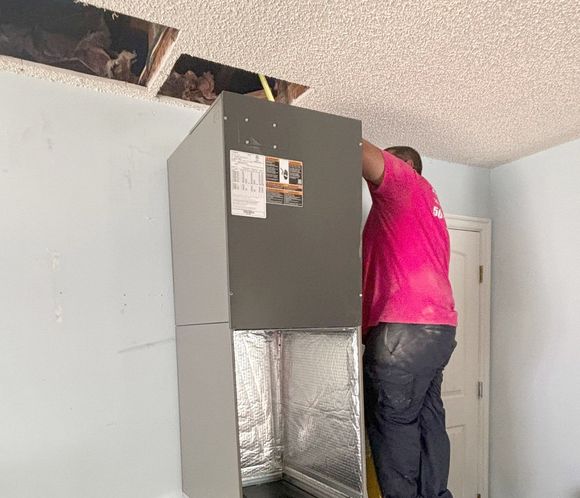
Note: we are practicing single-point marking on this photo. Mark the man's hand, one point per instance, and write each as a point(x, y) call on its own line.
point(373, 164)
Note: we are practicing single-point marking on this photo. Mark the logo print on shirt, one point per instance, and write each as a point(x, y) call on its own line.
point(437, 212)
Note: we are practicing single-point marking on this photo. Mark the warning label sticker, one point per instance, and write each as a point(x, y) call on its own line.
point(284, 182)
point(248, 184)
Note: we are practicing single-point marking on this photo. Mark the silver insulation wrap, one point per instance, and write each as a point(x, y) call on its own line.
point(299, 406)
point(321, 406)
point(257, 355)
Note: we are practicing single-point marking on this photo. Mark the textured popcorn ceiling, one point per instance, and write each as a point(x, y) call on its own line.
point(471, 81)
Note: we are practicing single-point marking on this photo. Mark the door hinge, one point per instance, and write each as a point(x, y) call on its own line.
point(480, 274)
point(480, 389)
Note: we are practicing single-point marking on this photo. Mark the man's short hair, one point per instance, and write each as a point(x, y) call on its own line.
point(407, 153)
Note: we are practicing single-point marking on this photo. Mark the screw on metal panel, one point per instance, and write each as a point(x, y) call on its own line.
point(246, 120)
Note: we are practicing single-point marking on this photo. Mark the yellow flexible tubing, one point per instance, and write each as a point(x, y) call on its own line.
point(267, 89)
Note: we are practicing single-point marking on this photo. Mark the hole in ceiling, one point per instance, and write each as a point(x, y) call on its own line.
point(199, 80)
point(82, 38)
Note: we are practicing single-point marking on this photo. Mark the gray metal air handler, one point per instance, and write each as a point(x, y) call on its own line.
point(265, 204)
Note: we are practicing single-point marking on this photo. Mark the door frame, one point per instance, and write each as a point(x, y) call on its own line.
point(483, 226)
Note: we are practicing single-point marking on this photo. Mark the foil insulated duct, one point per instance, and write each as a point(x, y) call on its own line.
point(258, 398)
point(298, 396)
point(321, 407)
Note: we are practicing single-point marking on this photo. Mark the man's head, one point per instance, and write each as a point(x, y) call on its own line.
point(409, 155)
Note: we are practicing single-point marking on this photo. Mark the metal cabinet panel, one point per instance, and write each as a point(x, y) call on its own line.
point(207, 411)
point(198, 224)
point(300, 267)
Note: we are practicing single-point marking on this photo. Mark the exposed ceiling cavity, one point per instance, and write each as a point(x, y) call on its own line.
point(82, 38)
point(198, 80)
point(476, 82)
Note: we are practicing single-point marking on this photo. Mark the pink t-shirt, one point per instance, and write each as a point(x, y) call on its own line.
point(406, 252)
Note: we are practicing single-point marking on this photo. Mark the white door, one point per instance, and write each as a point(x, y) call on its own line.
point(460, 386)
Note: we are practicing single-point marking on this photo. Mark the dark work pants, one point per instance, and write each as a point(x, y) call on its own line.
point(405, 418)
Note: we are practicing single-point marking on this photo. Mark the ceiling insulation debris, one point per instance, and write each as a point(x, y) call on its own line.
point(83, 39)
point(190, 87)
point(89, 53)
point(198, 80)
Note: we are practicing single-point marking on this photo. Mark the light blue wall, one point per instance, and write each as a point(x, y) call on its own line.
point(462, 190)
point(535, 392)
point(87, 358)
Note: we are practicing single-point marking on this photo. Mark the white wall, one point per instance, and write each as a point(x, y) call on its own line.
point(87, 358)
point(88, 404)
point(535, 394)
point(463, 190)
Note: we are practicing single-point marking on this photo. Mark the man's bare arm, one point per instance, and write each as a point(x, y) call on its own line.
point(373, 167)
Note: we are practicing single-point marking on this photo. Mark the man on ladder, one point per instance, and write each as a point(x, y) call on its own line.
point(409, 322)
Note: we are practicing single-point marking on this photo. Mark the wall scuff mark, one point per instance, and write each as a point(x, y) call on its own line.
point(146, 345)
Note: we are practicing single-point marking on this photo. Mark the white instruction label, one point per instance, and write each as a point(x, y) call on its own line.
point(248, 184)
